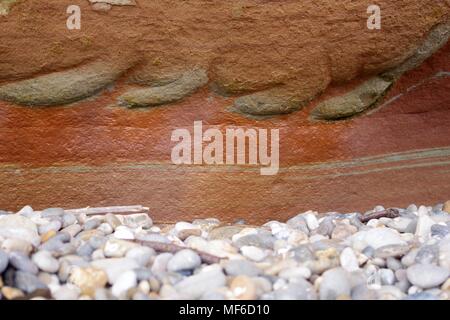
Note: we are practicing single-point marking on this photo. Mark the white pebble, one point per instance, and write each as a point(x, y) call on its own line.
point(348, 260)
point(123, 233)
point(105, 228)
point(45, 261)
point(311, 221)
point(253, 253)
point(125, 282)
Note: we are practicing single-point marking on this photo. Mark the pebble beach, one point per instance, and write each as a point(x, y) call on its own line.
point(381, 254)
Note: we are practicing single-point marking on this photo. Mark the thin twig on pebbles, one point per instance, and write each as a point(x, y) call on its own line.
point(173, 248)
point(388, 213)
point(104, 210)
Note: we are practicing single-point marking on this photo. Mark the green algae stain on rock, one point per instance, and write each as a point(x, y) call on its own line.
point(353, 103)
point(5, 6)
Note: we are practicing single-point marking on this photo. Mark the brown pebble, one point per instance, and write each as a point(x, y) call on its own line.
point(447, 206)
point(186, 233)
point(88, 280)
point(154, 284)
point(446, 285)
point(12, 293)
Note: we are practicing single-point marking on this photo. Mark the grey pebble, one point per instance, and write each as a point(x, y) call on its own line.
point(85, 250)
point(440, 231)
point(28, 282)
point(326, 227)
point(68, 219)
point(197, 285)
point(362, 292)
point(387, 277)
point(72, 230)
point(97, 242)
point(4, 260)
point(427, 275)
point(142, 255)
point(241, 267)
point(52, 245)
point(369, 252)
point(299, 290)
point(393, 263)
point(298, 222)
point(262, 239)
point(427, 254)
point(303, 253)
point(22, 262)
point(143, 274)
point(92, 223)
point(421, 296)
point(409, 258)
point(335, 282)
point(52, 212)
point(184, 260)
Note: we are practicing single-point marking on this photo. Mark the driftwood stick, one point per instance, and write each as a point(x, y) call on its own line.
point(173, 248)
point(388, 213)
point(105, 210)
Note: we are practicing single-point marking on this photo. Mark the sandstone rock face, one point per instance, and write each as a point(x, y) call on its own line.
point(280, 55)
point(202, 59)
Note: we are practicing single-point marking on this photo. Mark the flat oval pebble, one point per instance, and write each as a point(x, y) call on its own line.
point(184, 260)
point(52, 212)
point(195, 286)
point(241, 267)
point(22, 262)
point(427, 275)
point(28, 282)
point(391, 251)
point(124, 233)
point(142, 255)
point(92, 223)
point(253, 253)
point(45, 261)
